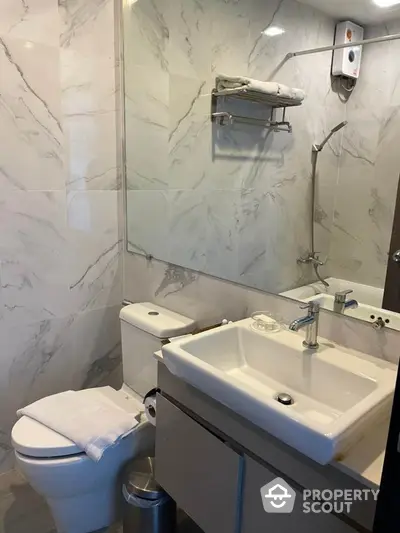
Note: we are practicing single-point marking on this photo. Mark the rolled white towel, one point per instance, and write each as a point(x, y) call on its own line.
point(269, 88)
point(236, 82)
point(290, 92)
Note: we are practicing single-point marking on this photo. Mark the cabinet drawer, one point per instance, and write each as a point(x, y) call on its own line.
point(257, 520)
point(197, 469)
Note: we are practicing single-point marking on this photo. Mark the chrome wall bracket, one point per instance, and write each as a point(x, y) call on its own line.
point(226, 118)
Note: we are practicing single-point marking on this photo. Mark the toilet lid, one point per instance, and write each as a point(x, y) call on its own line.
point(33, 439)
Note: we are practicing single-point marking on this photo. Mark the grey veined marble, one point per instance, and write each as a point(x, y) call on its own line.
point(232, 202)
point(61, 234)
point(369, 168)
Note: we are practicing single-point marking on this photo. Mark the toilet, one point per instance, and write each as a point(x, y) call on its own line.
point(84, 495)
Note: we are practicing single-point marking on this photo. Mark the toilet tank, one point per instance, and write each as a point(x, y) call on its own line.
point(145, 327)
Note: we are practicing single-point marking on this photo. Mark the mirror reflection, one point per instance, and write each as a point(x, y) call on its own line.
point(254, 164)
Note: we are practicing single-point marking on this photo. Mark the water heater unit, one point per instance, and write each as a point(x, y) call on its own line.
point(347, 61)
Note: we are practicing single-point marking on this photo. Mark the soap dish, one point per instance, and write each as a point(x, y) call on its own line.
point(264, 323)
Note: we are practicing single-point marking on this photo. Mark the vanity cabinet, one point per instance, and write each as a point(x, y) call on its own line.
point(219, 488)
point(214, 463)
point(200, 472)
point(256, 520)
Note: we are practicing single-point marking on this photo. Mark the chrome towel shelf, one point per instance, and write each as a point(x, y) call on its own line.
point(224, 118)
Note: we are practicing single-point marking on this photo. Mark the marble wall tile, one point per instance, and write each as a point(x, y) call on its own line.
point(146, 34)
point(179, 289)
point(30, 116)
point(58, 256)
point(189, 132)
point(33, 244)
point(254, 233)
point(328, 162)
point(61, 231)
point(253, 188)
point(6, 452)
point(95, 248)
point(369, 170)
point(208, 300)
point(263, 262)
point(148, 221)
point(223, 231)
point(89, 120)
point(147, 126)
point(189, 46)
point(191, 42)
point(46, 357)
point(375, 86)
point(188, 229)
point(91, 342)
point(31, 20)
point(91, 151)
point(169, 79)
point(87, 26)
point(239, 22)
point(88, 77)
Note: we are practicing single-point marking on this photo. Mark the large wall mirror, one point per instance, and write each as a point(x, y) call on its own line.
point(309, 214)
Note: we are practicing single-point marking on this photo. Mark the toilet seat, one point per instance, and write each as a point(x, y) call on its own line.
point(32, 439)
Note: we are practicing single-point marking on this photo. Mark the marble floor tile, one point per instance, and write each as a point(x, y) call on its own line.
point(22, 510)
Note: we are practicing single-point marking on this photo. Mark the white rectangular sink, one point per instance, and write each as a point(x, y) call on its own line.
point(338, 394)
point(365, 312)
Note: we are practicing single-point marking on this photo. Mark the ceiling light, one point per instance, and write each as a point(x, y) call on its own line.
point(386, 3)
point(272, 31)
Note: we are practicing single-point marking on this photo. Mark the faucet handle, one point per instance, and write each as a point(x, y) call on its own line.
point(340, 297)
point(312, 306)
point(318, 260)
point(344, 293)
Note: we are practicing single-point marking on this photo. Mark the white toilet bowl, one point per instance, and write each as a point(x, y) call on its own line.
point(82, 494)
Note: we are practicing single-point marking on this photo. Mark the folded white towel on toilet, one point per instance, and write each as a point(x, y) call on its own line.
point(89, 420)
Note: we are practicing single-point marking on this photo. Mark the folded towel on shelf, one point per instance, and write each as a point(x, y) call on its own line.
point(89, 420)
point(269, 88)
point(291, 93)
point(237, 82)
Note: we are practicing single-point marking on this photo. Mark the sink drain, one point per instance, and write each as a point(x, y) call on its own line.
point(284, 398)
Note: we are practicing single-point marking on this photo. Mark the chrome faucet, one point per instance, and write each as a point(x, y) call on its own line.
point(378, 324)
point(313, 259)
point(311, 323)
point(341, 304)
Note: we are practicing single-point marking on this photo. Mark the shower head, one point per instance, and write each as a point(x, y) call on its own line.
point(319, 147)
point(339, 126)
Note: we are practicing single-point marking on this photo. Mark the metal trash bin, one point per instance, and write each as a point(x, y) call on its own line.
point(147, 507)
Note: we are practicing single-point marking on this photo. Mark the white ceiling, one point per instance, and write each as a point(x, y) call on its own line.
point(362, 11)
